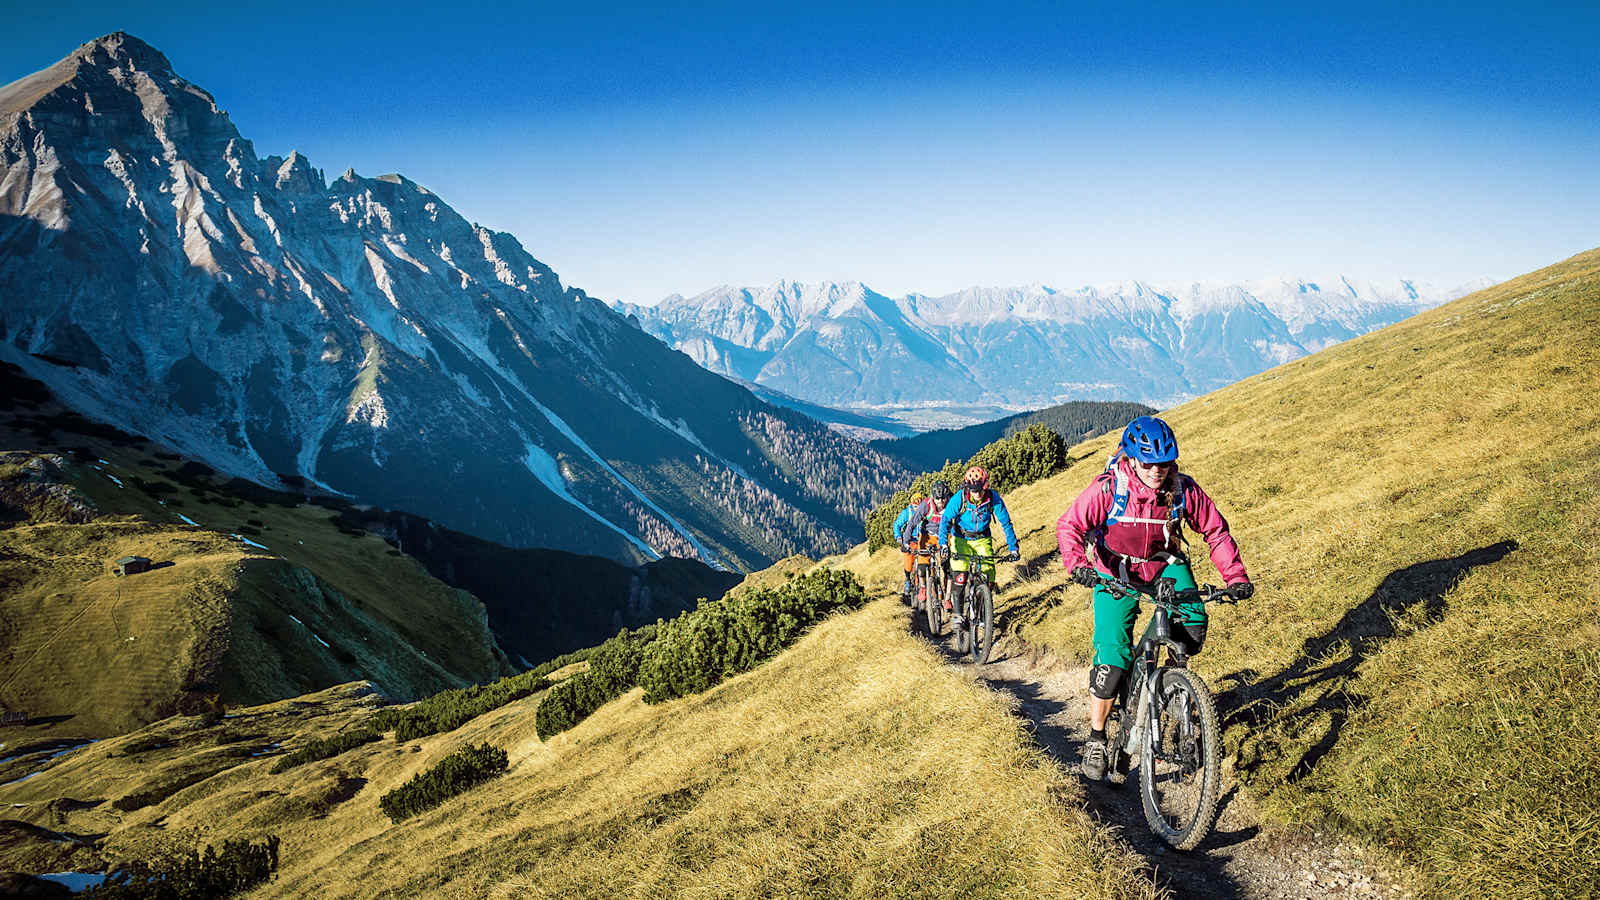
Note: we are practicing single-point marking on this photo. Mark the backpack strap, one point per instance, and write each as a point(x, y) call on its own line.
point(961, 505)
point(1172, 525)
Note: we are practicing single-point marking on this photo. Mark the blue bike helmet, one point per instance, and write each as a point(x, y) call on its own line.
point(1149, 440)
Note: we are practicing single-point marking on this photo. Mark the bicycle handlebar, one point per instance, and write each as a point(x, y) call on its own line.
point(978, 557)
point(1165, 593)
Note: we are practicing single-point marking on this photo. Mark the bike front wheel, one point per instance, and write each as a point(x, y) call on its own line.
point(1178, 770)
point(963, 608)
point(982, 623)
point(933, 610)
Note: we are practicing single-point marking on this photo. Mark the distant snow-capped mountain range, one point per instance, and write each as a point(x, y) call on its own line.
point(362, 335)
point(845, 345)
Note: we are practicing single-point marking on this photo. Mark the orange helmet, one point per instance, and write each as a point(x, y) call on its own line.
point(977, 478)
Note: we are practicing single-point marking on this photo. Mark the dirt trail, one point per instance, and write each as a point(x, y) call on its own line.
point(1240, 859)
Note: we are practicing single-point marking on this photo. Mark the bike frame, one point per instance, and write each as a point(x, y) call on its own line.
point(975, 563)
point(1147, 658)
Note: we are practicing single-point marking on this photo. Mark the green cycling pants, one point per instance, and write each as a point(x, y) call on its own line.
point(1114, 618)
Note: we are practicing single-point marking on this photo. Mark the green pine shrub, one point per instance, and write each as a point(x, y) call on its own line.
point(699, 648)
point(196, 875)
point(613, 669)
point(449, 710)
point(1026, 456)
point(723, 638)
point(323, 749)
point(461, 770)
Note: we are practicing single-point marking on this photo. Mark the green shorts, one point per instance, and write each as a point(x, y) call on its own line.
point(983, 546)
point(1114, 618)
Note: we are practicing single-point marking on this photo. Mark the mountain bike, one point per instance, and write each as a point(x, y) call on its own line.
point(928, 590)
point(974, 600)
point(1165, 715)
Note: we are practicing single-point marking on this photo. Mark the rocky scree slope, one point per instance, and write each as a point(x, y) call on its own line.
point(361, 334)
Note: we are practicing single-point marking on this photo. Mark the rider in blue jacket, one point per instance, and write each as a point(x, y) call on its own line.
point(965, 526)
point(899, 529)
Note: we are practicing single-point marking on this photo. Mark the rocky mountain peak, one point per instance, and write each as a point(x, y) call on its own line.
point(121, 50)
point(294, 175)
point(364, 336)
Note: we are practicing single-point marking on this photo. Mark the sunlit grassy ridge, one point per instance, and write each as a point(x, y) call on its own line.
point(99, 654)
point(855, 763)
point(1419, 508)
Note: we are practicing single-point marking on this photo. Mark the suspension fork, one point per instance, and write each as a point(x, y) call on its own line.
point(1137, 708)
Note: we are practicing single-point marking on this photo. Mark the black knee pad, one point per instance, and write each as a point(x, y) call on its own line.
point(1191, 636)
point(1104, 680)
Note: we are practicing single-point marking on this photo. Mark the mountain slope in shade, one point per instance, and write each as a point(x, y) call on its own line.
point(848, 346)
point(158, 274)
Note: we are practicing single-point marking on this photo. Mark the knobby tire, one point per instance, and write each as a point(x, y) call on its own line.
point(922, 597)
point(981, 622)
point(962, 607)
point(933, 610)
point(1180, 799)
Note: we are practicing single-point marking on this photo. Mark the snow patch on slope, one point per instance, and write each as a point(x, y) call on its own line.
point(566, 430)
point(544, 467)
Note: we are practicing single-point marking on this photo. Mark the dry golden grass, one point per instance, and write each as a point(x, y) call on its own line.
point(855, 764)
point(1419, 510)
point(104, 654)
point(1419, 670)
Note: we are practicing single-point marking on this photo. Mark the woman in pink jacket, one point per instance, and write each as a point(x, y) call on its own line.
point(1129, 524)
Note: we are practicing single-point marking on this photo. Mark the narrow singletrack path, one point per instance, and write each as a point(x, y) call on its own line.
point(1240, 860)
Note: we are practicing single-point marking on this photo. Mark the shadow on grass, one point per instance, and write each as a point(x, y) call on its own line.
point(1328, 663)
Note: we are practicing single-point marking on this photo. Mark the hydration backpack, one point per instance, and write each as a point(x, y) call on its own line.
point(1172, 524)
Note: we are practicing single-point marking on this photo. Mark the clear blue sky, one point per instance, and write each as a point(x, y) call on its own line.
point(927, 147)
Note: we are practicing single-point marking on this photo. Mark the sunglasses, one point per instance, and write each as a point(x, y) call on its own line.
point(1160, 465)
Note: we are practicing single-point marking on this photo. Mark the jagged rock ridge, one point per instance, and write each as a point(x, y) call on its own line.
point(158, 274)
point(846, 345)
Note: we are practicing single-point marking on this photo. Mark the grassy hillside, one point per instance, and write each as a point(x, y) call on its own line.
point(258, 595)
point(1419, 509)
point(301, 606)
point(812, 775)
point(1418, 670)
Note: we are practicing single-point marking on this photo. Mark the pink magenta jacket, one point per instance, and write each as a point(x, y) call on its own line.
point(1089, 512)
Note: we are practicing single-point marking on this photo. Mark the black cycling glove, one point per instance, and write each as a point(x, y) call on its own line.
point(1085, 576)
point(1241, 590)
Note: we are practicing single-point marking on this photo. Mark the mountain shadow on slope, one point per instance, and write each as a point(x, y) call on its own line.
point(543, 603)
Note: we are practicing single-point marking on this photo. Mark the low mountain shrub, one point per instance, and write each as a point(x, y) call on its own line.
point(196, 875)
point(461, 770)
point(449, 710)
point(613, 669)
point(723, 638)
point(323, 749)
point(1031, 454)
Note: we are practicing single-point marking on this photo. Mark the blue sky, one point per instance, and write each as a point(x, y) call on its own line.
point(926, 147)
